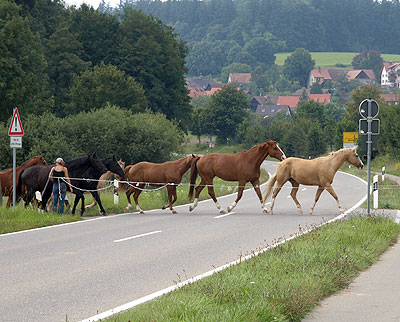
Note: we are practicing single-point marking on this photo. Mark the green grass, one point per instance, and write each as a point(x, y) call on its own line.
point(330, 59)
point(22, 219)
point(282, 284)
point(388, 191)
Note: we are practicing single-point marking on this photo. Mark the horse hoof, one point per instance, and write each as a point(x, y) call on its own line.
point(105, 214)
point(268, 212)
point(174, 212)
point(312, 213)
point(300, 212)
point(222, 211)
point(190, 208)
point(163, 208)
point(228, 209)
point(141, 211)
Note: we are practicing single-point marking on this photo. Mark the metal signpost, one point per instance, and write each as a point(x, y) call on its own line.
point(15, 133)
point(369, 109)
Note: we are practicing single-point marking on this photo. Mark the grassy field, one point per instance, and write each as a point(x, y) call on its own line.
point(327, 59)
point(282, 284)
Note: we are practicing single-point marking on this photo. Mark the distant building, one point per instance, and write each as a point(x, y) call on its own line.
point(271, 110)
point(391, 99)
point(390, 74)
point(321, 75)
point(239, 78)
point(202, 86)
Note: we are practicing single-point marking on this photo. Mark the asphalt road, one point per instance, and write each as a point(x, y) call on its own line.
point(81, 269)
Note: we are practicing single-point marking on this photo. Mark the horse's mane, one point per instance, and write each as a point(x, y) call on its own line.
point(334, 153)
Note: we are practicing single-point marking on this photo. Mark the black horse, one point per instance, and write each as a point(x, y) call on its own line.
point(91, 185)
point(36, 178)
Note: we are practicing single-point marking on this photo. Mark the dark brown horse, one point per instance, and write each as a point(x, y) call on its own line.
point(317, 172)
point(242, 167)
point(6, 176)
point(167, 174)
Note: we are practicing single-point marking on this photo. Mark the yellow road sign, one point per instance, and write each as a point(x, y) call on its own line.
point(350, 137)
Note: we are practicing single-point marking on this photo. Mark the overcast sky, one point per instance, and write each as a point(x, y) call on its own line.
point(93, 3)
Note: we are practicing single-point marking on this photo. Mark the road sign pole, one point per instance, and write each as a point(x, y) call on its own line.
point(369, 143)
point(14, 175)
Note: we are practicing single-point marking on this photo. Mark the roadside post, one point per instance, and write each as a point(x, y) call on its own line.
point(383, 173)
point(116, 197)
point(375, 189)
point(15, 133)
point(368, 126)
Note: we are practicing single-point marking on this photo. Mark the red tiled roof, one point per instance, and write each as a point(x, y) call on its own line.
point(320, 98)
point(321, 73)
point(353, 74)
point(391, 97)
point(291, 101)
point(243, 78)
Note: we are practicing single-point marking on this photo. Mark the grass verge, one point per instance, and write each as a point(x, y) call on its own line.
point(388, 190)
point(22, 219)
point(282, 284)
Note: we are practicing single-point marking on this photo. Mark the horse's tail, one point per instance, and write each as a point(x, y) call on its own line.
point(193, 177)
point(268, 189)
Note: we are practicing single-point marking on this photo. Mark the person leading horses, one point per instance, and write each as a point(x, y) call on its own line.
point(59, 176)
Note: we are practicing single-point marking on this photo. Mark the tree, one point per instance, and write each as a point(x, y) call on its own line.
point(149, 52)
point(23, 81)
point(227, 110)
point(64, 62)
point(358, 95)
point(93, 89)
point(369, 59)
point(298, 65)
point(312, 110)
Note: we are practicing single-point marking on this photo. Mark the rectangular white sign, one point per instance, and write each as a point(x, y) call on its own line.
point(16, 142)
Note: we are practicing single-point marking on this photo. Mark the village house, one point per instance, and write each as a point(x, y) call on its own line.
point(390, 74)
point(321, 75)
point(202, 86)
point(391, 99)
point(239, 78)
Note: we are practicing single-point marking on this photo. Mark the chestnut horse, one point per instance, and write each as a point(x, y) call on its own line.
point(6, 176)
point(317, 172)
point(243, 167)
point(167, 174)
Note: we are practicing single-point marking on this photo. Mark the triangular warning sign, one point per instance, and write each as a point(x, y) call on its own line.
point(16, 125)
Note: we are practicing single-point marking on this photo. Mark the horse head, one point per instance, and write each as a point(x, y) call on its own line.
point(354, 159)
point(275, 151)
point(114, 166)
point(96, 163)
point(36, 160)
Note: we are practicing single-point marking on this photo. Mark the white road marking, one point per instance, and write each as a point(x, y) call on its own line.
point(137, 236)
point(224, 215)
point(288, 197)
point(397, 220)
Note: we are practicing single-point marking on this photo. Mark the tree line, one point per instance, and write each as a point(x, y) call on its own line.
point(309, 131)
point(65, 61)
point(222, 32)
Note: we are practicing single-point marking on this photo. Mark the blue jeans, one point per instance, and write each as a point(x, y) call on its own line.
point(59, 192)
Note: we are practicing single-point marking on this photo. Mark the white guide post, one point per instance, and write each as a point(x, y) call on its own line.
point(375, 181)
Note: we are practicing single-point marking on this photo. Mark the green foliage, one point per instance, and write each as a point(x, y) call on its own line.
point(298, 65)
point(23, 83)
point(251, 132)
point(149, 52)
point(226, 111)
point(104, 84)
point(369, 59)
point(108, 131)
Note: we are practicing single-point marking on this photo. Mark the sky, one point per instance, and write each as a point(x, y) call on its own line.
point(93, 3)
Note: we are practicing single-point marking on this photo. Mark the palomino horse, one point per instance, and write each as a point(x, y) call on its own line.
point(6, 176)
point(243, 167)
point(167, 174)
point(317, 172)
point(102, 182)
